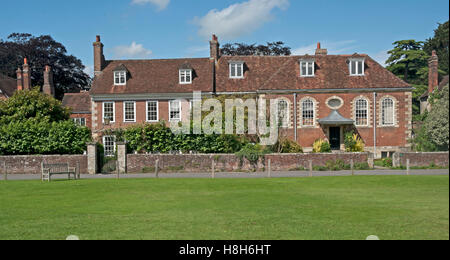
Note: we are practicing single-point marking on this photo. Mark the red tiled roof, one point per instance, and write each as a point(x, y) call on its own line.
point(7, 85)
point(79, 102)
point(155, 76)
point(283, 73)
point(261, 73)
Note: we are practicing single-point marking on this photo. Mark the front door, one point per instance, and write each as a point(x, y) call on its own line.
point(335, 138)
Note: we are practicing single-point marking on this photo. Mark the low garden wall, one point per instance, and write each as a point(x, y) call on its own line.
point(139, 163)
point(31, 164)
point(421, 159)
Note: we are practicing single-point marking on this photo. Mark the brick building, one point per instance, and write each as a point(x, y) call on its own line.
point(322, 95)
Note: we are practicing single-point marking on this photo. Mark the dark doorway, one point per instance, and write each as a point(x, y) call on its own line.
point(335, 138)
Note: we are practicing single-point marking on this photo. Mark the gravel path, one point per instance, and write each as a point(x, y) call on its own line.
point(236, 175)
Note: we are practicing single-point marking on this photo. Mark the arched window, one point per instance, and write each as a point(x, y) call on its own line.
point(308, 112)
point(387, 112)
point(361, 112)
point(283, 113)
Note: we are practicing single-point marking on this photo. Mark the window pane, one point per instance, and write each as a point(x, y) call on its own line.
point(239, 70)
point(353, 64)
point(152, 110)
point(283, 113)
point(109, 143)
point(308, 113)
point(129, 111)
point(175, 110)
point(362, 112)
point(388, 112)
point(304, 69)
point(108, 111)
point(360, 68)
point(233, 70)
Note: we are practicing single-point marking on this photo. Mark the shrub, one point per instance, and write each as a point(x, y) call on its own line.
point(251, 152)
point(387, 162)
point(362, 166)
point(353, 143)
point(287, 146)
point(321, 146)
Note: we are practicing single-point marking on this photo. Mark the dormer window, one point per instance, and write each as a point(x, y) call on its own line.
point(356, 67)
point(120, 78)
point(185, 76)
point(307, 68)
point(236, 70)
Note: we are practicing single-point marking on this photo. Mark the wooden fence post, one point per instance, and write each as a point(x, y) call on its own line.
point(270, 168)
point(157, 168)
point(117, 169)
point(213, 168)
point(5, 173)
point(77, 171)
point(352, 166)
point(310, 168)
point(408, 169)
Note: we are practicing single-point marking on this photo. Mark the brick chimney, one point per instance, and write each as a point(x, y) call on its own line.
point(19, 79)
point(320, 51)
point(214, 48)
point(99, 58)
point(26, 75)
point(433, 74)
point(48, 87)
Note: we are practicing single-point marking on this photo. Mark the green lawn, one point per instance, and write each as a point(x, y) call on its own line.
point(391, 207)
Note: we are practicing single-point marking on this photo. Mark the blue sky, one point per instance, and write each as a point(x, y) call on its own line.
point(153, 29)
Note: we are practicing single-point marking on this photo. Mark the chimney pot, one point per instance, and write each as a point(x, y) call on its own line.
point(26, 76)
point(19, 79)
point(214, 48)
point(97, 38)
point(48, 87)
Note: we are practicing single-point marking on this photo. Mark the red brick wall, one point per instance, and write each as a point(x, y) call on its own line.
point(394, 138)
point(87, 117)
point(230, 162)
point(31, 164)
point(422, 159)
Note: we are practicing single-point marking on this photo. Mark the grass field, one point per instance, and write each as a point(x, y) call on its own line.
point(390, 207)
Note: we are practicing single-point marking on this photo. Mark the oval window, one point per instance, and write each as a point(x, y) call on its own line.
point(334, 103)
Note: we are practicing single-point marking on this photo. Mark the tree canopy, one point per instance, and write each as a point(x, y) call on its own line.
point(440, 43)
point(242, 49)
point(68, 71)
point(32, 122)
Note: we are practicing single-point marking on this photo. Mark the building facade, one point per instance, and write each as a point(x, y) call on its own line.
point(321, 95)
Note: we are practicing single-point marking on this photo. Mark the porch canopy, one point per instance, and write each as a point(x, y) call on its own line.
point(335, 119)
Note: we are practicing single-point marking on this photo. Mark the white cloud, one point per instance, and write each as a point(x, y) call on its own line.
point(238, 19)
point(89, 70)
point(133, 51)
point(161, 4)
point(340, 47)
point(381, 57)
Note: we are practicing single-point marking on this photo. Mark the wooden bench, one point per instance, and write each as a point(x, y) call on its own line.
point(47, 170)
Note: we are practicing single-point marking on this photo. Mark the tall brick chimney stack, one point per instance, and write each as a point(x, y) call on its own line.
point(214, 48)
point(19, 79)
point(26, 75)
point(48, 87)
point(320, 51)
point(433, 74)
point(99, 58)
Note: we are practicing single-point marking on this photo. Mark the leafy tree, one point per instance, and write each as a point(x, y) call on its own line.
point(32, 104)
point(408, 60)
point(43, 50)
point(440, 43)
point(434, 134)
point(242, 49)
point(34, 123)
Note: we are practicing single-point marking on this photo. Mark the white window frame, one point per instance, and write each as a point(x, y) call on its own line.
point(185, 73)
point(307, 63)
point(313, 112)
point(367, 112)
point(157, 111)
point(120, 74)
point(383, 121)
point(114, 145)
point(357, 72)
point(241, 64)
point(285, 123)
point(79, 121)
point(125, 120)
point(170, 110)
point(113, 120)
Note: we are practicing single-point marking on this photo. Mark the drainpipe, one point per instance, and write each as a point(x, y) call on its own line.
point(374, 124)
point(295, 117)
